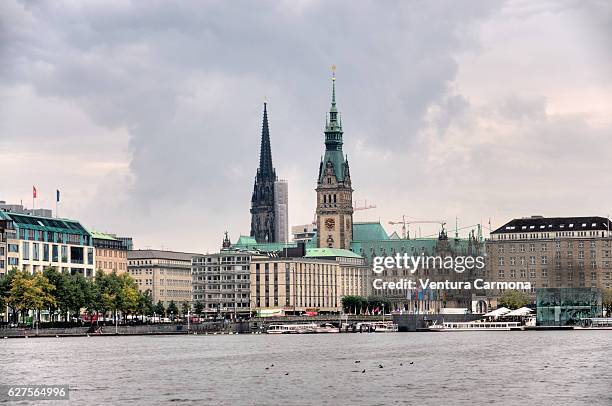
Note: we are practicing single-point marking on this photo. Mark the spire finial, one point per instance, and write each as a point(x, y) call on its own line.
point(333, 68)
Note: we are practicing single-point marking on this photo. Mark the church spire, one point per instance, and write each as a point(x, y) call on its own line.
point(265, 170)
point(333, 124)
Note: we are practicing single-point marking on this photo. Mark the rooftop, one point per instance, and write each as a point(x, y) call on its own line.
point(554, 224)
point(369, 231)
point(159, 254)
point(38, 223)
point(330, 252)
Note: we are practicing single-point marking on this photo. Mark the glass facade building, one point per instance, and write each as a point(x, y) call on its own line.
point(566, 306)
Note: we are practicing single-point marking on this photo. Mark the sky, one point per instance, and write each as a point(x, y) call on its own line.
point(147, 114)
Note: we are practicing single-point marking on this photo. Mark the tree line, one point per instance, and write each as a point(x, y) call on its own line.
point(66, 296)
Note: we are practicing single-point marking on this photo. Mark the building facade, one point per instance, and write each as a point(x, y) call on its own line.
point(263, 223)
point(552, 252)
point(315, 282)
point(167, 274)
point(304, 233)
point(281, 211)
point(33, 243)
point(334, 191)
point(221, 283)
point(111, 253)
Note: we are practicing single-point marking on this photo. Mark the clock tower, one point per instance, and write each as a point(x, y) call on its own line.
point(334, 191)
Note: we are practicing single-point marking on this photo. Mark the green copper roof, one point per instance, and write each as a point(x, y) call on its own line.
point(330, 252)
point(57, 225)
point(246, 240)
point(371, 231)
point(101, 236)
point(333, 141)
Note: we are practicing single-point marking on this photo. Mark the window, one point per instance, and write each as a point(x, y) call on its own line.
point(46, 252)
point(13, 248)
point(544, 273)
point(54, 253)
point(26, 250)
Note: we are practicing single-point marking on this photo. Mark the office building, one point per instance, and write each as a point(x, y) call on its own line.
point(111, 253)
point(221, 283)
point(34, 243)
point(167, 274)
point(304, 233)
point(552, 252)
point(315, 282)
point(281, 210)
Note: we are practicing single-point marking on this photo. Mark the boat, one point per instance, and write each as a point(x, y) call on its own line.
point(327, 328)
point(479, 325)
point(384, 327)
point(292, 328)
point(377, 327)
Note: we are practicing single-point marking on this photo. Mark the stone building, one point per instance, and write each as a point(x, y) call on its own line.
point(334, 191)
point(551, 252)
point(167, 274)
point(314, 282)
point(111, 253)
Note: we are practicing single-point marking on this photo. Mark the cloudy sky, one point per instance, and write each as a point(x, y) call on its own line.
point(147, 114)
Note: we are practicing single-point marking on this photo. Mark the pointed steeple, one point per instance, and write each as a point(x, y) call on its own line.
point(333, 123)
point(265, 170)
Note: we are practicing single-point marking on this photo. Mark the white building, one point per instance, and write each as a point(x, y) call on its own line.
point(33, 243)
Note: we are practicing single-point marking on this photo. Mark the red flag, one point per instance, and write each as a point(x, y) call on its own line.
point(34, 192)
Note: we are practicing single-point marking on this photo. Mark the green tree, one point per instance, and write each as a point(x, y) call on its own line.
point(198, 308)
point(56, 279)
point(6, 282)
point(172, 309)
point(160, 309)
point(513, 299)
point(353, 303)
point(145, 303)
point(380, 302)
point(31, 292)
point(185, 308)
point(606, 301)
point(128, 294)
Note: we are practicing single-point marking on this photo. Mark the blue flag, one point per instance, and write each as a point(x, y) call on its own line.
point(57, 199)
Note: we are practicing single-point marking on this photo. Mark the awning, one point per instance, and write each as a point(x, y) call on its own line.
point(497, 312)
point(523, 311)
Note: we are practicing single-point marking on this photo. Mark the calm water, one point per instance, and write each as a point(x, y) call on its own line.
point(503, 368)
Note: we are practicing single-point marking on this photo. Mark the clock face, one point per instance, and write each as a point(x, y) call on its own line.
point(330, 223)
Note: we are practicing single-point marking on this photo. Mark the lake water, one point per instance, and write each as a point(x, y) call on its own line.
point(472, 368)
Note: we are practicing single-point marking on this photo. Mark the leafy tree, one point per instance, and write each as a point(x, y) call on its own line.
point(160, 309)
point(352, 303)
point(172, 309)
point(606, 301)
point(57, 280)
point(380, 302)
point(513, 299)
point(198, 308)
point(128, 294)
point(145, 303)
point(31, 292)
point(6, 282)
point(185, 308)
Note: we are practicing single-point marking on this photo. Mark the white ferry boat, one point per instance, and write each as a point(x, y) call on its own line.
point(476, 326)
point(304, 328)
point(377, 327)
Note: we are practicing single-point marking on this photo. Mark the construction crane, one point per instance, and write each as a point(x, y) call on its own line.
point(404, 223)
point(365, 206)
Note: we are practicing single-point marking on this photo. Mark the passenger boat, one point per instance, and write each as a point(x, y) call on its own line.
point(377, 327)
point(476, 326)
point(327, 328)
point(305, 328)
